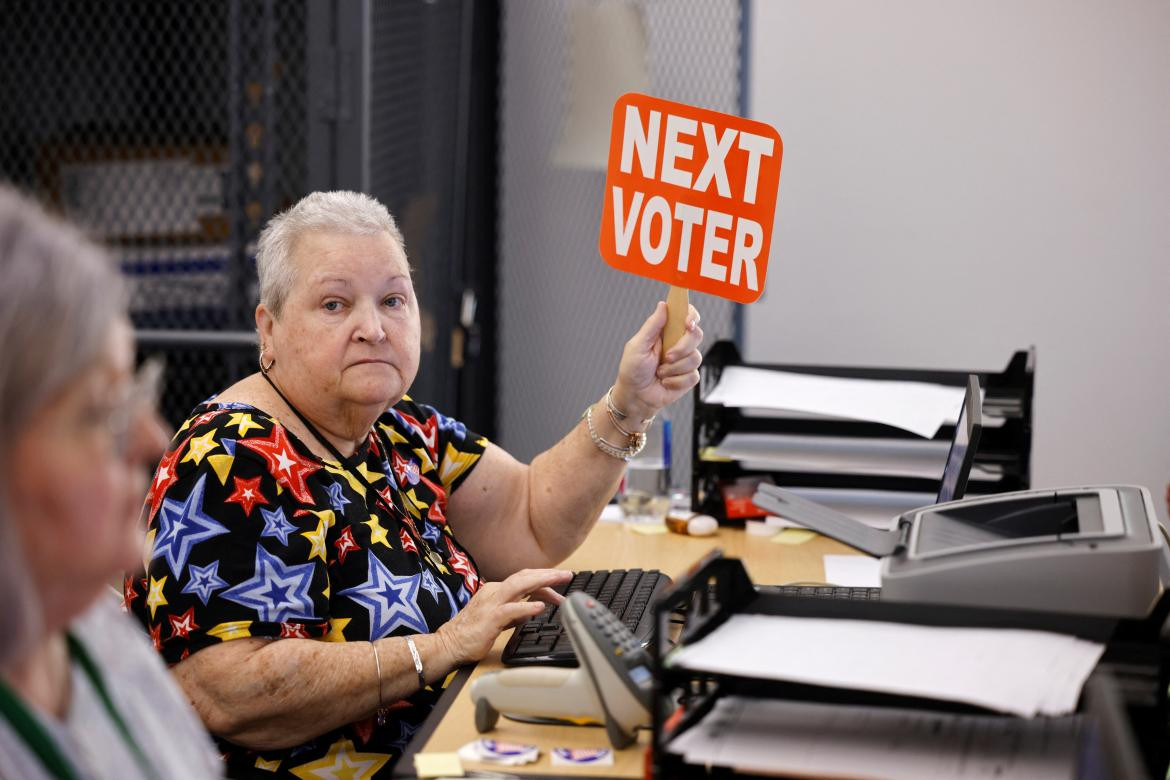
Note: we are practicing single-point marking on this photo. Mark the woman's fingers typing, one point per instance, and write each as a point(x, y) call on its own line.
point(497, 606)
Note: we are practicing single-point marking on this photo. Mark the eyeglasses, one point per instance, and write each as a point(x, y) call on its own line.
point(142, 394)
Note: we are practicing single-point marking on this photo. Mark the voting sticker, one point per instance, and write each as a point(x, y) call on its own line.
point(690, 196)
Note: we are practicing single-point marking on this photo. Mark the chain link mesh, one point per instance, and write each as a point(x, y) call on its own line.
point(564, 314)
point(170, 131)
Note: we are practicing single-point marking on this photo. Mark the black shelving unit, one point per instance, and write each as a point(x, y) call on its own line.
point(1128, 690)
point(1004, 449)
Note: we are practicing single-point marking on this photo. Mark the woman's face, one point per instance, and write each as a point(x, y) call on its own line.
point(80, 470)
point(349, 330)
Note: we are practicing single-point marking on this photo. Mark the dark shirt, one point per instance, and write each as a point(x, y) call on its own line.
point(251, 535)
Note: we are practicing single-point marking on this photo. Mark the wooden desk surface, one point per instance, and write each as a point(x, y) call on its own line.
point(612, 546)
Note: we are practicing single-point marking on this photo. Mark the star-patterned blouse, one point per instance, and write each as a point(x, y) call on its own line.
point(251, 535)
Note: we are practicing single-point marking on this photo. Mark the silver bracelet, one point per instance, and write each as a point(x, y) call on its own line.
point(378, 665)
point(418, 667)
point(636, 443)
point(618, 414)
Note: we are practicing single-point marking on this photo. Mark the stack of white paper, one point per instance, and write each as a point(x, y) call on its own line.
point(918, 407)
point(768, 736)
point(1020, 672)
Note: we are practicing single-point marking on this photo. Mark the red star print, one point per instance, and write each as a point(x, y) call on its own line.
point(364, 729)
point(207, 417)
point(430, 434)
point(247, 494)
point(128, 592)
point(345, 543)
point(406, 472)
point(182, 625)
point(428, 430)
point(438, 510)
point(288, 466)
point(293, 631)
point(462, 564)
point(156, 636)
point(407, 542)
point(164, 477)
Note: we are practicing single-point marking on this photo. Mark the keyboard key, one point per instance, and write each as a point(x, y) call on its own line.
point(623, 599)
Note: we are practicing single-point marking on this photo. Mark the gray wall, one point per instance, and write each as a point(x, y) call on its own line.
point(564, 314)
point(962, 179)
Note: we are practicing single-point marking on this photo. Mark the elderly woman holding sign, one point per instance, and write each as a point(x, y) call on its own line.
point(327, 550)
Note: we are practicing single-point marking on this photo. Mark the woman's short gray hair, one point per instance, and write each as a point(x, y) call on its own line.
point(59, 297)
point(340, 211)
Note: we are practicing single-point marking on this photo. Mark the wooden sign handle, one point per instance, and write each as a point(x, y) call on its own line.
point(678, 306)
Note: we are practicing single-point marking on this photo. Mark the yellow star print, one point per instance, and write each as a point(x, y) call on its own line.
point(415, 505)
point(335, 468)
point(233, 629)
point(199, 446)
point(342, 762)
point(454, 464)
point(337, 629)
point(243, 422)
point(395, 436)
point(425, 464)
point(148, 547)
point(155, 598)
point(222, 464)
point(378, 534)
point(371, 476)
point(325, 521)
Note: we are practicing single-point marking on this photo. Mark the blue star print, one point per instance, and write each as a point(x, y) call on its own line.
point(405, 732)
point(431, 586)
point(205, 580)
point(432, 533)
point(336, 498)
point(182, 525)
point(390, 600)
point(446, 423)
point(277, 592)
point(276, 525)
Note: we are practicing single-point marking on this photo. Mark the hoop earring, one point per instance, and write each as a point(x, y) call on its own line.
point(264, 369)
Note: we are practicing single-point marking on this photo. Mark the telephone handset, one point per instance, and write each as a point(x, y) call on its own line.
point(612, 684)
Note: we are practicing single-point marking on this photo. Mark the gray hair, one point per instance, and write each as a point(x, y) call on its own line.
point(59, 297)
point(340, 211)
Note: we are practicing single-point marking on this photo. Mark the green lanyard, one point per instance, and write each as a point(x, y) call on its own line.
point(38, 739)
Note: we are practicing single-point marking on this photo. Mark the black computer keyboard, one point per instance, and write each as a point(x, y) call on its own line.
point(823, 592)
point(628, 593)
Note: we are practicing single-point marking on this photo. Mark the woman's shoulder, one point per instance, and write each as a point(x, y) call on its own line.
point(143, 690)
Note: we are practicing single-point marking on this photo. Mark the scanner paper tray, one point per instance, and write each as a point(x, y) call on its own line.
point(844, 529)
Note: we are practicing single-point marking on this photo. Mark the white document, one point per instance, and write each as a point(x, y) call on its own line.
point(1024, 673)
point(853, 571)
point(836, 454)
point(918, 407)
point(828, 740)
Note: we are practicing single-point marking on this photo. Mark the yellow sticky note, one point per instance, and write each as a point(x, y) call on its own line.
point(793, 536)
point(646, 529)
point(438, 765)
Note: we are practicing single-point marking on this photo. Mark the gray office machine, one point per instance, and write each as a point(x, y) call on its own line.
point(1084, 550)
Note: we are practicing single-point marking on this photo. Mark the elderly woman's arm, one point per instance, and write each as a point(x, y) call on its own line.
point(512, 515)
point(269, 694)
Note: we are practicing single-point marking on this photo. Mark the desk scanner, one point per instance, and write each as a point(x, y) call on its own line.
point(1084, 550)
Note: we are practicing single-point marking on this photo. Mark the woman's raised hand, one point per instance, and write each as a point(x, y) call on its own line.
point(496, 606)
point(644, 386)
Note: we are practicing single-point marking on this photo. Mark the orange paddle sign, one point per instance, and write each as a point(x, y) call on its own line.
point(690, 196)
